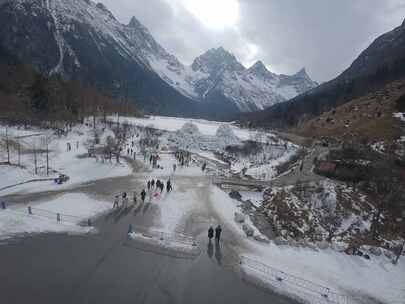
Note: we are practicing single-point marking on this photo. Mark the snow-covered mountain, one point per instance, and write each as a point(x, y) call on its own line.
point(218, 71)
point(250, 89)
point(81, 39)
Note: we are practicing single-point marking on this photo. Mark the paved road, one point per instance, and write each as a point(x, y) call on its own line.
point(108, 268)
point(306, 175)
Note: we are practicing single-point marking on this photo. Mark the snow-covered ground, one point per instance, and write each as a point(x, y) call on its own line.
point(400, 116)
point(74, 164)
point(268, 170)
point(351, 275)
point(173, 124)
point(176, 205)
point(73, 207)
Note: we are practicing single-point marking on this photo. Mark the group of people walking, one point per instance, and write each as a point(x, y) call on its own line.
point(183, 157)
point(156, 186)
point(151, 185)
point(159, 185)
point(218, 232)
point(124, 200)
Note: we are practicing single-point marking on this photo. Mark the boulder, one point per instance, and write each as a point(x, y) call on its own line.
point(239, 218)
point(248, 230)
point(389, 254)
point(375, 251)
point(322, 245)
point(294, 243)
point(261, 239)
point(235, 195)
point(226, 133)
point(312, 246)
point(338, 247)
point(279, 241)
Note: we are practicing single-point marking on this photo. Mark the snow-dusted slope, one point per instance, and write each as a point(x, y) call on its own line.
point(84, 31)
point(250, 89)
point(219, 72)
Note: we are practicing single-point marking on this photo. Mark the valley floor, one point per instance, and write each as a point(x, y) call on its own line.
point(101, 264)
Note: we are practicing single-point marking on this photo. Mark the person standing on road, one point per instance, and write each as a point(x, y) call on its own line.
point(168, 186)
point(124, 200)
point(218, 232)
point(134, 198)
point(116, 201)
point(143, 195)
point(174, 167)
point(148, 184)
point(210, 233)
point(152, 184)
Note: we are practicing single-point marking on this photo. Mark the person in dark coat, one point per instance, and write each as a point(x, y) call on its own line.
point(148, 184)
point(116, 201)
point(143, 195)
point(210, 233)
point(152, 184)
point(162, 186)
point(218, 232)
point(168, 186)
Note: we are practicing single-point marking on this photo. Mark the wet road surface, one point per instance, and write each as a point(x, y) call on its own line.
point(107, 267)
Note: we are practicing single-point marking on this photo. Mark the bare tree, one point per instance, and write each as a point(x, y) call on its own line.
point(46, 140)
point(19, 152)
point(34, 146)
point(121, 133)
point(7, 145)
point(388, 193)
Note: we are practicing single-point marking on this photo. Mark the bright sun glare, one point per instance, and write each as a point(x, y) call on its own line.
point(215, 14)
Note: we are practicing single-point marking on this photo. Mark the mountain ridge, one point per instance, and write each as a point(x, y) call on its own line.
point(82, 40)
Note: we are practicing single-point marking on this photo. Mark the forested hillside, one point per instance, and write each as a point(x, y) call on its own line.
point(27, 97)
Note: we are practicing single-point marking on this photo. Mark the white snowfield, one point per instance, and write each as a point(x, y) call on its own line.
point(400, 116)
point(206, 127)
point(72, 207)
point(72, 163)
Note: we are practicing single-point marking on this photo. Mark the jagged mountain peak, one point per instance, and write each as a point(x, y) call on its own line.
point(258, 68)
point(258, 65)
point(220, 51)
point(217, 60)
point(134, 23)
point(302, 72)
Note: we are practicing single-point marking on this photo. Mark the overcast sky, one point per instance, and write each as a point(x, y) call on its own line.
point(324, 36)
